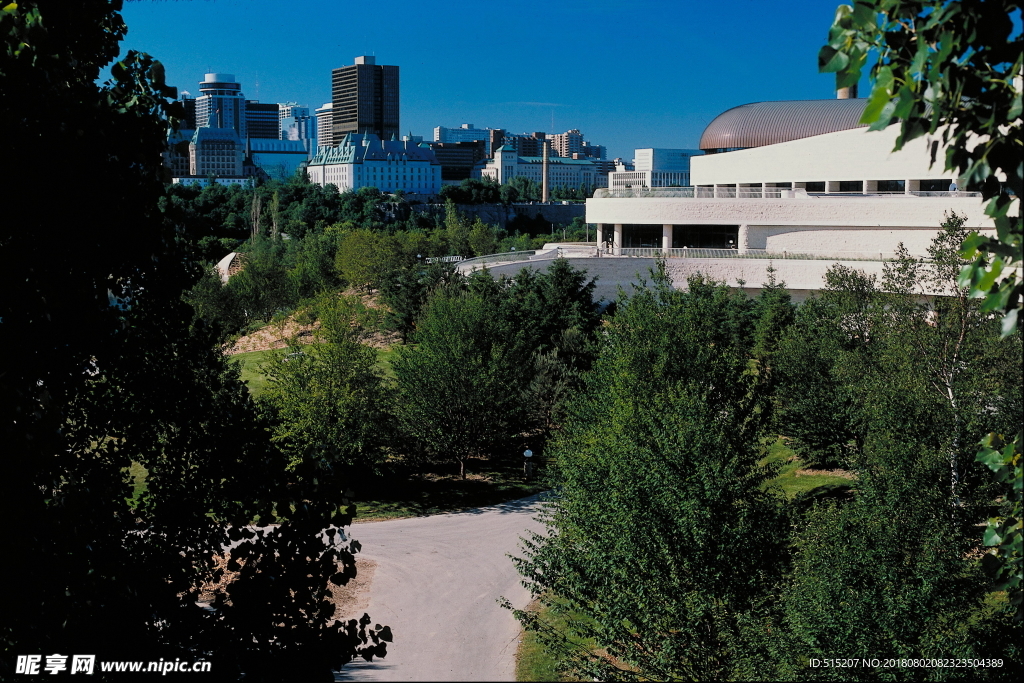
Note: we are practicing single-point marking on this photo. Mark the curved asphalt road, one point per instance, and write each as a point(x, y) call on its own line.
point(436, 585)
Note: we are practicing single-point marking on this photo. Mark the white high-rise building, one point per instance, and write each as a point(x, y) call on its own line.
point(221, 104)
point(325, 125)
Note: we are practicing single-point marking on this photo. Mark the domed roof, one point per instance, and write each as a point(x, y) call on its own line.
point(766, 123)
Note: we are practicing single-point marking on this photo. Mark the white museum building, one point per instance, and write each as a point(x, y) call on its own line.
point(799, 185)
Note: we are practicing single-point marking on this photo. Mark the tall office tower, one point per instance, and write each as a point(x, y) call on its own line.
point(365, 99)
point(221, 104)
point(189, 103)
point(495, 139)
point(261, 120)
point(325, 125)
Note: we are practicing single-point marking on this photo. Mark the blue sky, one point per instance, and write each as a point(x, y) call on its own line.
point(627, 73)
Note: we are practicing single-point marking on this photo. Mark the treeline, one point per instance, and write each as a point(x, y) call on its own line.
point(492, 364)
point(280, 273)
point(222, 217)
point(671, 552)
point(518, 189)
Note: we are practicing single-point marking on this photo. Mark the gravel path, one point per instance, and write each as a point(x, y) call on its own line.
point(436, 583)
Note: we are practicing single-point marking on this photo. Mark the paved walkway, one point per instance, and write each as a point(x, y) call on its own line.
point(436, 584)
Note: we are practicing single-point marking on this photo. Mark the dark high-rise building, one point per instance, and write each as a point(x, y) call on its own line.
point(261, 120)
point(189, 103)
point(364, 99)
point(458, 158)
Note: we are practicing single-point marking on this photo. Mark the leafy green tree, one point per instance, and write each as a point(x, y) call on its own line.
point(457, 230)
point(521, 189)
point(955, 67)
point(93, 394)
point(328, 399)
point(482, 239)
point(949, 68)
point(657, 478)
point(262, 288)
point(888, 573)
point(406, 291)
point(461, 390)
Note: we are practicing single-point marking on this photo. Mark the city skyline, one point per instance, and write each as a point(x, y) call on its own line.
point(646, 74)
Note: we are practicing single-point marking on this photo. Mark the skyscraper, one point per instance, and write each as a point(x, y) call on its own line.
point(261, 119)
point(325, 125)
point(364, 96)
point(221, 104)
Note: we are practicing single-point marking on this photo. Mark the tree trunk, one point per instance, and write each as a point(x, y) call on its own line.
point(462, 468)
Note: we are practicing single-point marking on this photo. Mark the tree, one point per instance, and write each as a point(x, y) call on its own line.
point(657, 476)
point(330, 406)
point(956, 66)
point(951, 68)
point(92, 393)
point(461, 391)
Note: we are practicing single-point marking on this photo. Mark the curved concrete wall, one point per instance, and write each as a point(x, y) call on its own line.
point(856, 154)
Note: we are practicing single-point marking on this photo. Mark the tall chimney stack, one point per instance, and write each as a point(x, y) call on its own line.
point(544, 171)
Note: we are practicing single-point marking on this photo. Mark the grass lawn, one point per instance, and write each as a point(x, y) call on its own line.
point(412, 495)
point(533, 660)
point(138, 474)
point(257, 381)
point(794, 477)
point(251, 374)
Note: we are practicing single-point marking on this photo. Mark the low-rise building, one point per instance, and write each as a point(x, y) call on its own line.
point(279, 159)
point(508, 164)
point(364, 160)
point(654, 167)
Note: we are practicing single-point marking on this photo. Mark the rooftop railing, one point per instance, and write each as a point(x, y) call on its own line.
point(753, 193)
point(801, 255)
point(505, 257)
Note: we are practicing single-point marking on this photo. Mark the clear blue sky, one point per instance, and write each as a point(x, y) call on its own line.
point(627, 73)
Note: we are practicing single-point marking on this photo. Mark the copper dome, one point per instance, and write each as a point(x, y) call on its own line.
point(766, 123)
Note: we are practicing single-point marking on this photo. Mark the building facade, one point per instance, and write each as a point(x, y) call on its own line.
point(507, 164)
point(774, 189)
point(656, 168)
point(364, 160)
point(364, 99)
point(216, 151)
point(325, 125)
point(465, 133)
point(221, 104)
point(459, 159)
point(261, 120)
point(566, 144)
point(296, 123)
point(279, 159)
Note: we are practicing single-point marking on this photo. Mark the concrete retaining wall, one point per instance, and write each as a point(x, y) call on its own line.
point(500, 215)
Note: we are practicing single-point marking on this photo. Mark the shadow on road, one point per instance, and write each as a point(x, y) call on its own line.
point(361, 670)
point(511, 506)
